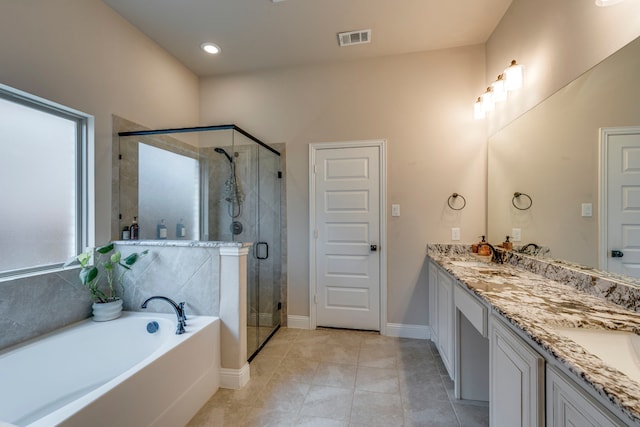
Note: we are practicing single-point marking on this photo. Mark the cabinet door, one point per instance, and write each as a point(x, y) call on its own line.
point(517, 382)
point(433, 301)
point(446, 339)
point(568, 405)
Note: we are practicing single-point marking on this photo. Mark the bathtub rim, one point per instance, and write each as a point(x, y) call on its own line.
point(61, 414)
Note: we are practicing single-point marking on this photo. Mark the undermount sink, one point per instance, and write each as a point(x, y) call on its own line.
point(618, 349)
point(471, 264)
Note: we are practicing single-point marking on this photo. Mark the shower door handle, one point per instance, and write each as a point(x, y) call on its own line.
point(266, 251)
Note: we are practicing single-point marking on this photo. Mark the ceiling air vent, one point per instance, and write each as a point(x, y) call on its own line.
point(354, 37)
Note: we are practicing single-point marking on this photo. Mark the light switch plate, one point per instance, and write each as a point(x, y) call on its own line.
point(516, 234)
point(395, 210)
point(455, 233)
point(587, 209)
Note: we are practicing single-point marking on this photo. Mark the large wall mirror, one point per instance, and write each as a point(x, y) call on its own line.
point(552, 153)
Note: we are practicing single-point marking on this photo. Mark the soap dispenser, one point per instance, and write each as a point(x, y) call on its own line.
point(162, 230)
point(507, 245)
point(181, 231)
point(483, 247)
point(475, 246)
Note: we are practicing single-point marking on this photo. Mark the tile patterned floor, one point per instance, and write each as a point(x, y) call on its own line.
point(328, 378)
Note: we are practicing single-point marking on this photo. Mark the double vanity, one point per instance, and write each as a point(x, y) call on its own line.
point(543, 342)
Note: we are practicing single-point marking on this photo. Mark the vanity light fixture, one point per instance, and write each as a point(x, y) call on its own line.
point(513, 76)
point(210, 48)
point(510, 79)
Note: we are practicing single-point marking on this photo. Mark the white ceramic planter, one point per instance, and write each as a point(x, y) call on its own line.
point(103, 311)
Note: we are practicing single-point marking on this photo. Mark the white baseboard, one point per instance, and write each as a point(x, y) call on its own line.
point(235, 379)
point(298, 322)
point(422, 332)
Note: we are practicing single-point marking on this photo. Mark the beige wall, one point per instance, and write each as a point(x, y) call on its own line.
point(420, 103)
point(82, 54)
point(556, 41)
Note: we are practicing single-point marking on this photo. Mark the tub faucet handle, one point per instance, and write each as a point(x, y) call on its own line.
point(183, 313)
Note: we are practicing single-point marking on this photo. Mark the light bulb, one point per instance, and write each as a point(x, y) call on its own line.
point(487, 100)
point(499, 89)
point(478, 111)
point(513, 76)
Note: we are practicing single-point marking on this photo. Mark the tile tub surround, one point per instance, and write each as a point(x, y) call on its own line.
point(40, 303)
point(210, 277)
point(534, 304)
point(181, 270)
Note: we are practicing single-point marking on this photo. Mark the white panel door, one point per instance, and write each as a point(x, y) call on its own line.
point(623, 202)
point(347, 194)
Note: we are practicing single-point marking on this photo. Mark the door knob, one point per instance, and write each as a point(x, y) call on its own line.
point(374, 248)
point(616, 254)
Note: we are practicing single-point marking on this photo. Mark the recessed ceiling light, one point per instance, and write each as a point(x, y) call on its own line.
point(210, 48)
point(603, 3)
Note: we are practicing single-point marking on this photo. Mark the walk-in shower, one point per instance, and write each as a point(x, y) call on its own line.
point(214, 183)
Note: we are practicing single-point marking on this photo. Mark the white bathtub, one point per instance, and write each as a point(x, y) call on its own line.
point(112, 374)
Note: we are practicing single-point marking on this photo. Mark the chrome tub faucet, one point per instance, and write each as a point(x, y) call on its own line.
point(178, 308)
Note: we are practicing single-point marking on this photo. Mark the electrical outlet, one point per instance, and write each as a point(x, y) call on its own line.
point(516, 234)
point(395, 210)
point(587, 209)
point(455, 233)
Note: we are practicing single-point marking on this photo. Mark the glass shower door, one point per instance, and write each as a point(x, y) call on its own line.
point(267, 249)
point(263, 282)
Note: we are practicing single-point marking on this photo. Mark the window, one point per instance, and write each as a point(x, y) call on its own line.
point(44, 181)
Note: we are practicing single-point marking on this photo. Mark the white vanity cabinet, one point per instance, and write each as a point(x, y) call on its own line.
point(441, 312)
point(516, 391)
point(446, 341)
point(433, 301)
point(525, 385)
point(568, 405)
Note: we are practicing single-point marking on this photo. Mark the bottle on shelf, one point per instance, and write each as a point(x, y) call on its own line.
point(162, 230)
point(181, 231)
point(126, 235)
point(134, 230)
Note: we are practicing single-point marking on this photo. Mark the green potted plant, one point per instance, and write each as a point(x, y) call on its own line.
point(102, 276)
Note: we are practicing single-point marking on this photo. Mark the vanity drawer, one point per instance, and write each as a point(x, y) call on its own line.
point(472, 309)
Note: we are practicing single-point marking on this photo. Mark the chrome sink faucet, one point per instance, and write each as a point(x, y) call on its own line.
point(178, 308)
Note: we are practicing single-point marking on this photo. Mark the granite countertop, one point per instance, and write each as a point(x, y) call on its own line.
point(535, 304)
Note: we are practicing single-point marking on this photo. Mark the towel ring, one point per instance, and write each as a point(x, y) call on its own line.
point(517, 195)
point(454, 196)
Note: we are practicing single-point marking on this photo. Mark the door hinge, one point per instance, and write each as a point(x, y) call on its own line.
point(315, 299)
point(315, 233)
point(279, 174)
point(119, 156)
point(314, 168)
